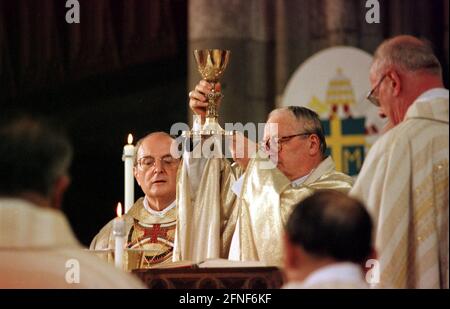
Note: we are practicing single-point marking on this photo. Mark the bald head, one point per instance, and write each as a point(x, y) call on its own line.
point(404, 67)
point(408, 53)
point(152, 138)
point(156, 169)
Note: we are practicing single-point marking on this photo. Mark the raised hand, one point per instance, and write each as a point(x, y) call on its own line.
point(198, 101)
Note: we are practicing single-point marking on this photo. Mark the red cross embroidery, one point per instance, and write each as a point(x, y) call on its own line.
point(154, 232)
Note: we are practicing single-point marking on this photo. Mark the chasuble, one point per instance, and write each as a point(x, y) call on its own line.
point(150, 236)
point(209, 209)
point(404, 184)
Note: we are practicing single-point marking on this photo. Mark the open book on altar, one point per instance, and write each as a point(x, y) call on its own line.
point(229, 263)
point(212, 263)
point(130, 260)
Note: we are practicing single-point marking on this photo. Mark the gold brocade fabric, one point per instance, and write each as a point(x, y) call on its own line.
point(149, 237)
point(207, 217)
point(266, 201)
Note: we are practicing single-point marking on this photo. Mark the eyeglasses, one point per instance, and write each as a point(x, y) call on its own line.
point(145, 163)
point(371, 95)
point(277, 142)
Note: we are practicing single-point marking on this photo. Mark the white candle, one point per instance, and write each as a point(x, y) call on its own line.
point(128, 158)
point(119, 237)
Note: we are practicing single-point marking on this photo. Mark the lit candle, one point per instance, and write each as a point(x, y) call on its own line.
point(128, 158)
point(119, 237)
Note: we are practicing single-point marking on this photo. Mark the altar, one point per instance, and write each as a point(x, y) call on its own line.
point(211, 278)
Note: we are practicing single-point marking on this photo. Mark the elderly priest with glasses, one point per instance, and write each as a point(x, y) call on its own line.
point(151, 222)
point(404, 179)
point(239, 212)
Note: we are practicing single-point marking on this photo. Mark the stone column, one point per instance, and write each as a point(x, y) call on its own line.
point(445, 39)
point(270, 39)
point(245, 28)
point(340, 22)
point(292, 39)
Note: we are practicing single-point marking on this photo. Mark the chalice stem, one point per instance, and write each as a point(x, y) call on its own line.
point(212, 102)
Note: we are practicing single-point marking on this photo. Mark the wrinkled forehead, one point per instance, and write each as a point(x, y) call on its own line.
point(155, 146)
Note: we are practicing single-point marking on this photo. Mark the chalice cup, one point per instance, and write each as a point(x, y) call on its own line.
point(211, 64)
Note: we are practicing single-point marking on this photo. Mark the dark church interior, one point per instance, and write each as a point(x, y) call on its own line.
point(127, 68)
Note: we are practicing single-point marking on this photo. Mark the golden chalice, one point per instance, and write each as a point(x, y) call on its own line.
point(211, 64)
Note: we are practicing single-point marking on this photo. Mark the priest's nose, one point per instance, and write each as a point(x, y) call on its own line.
point(158, 166)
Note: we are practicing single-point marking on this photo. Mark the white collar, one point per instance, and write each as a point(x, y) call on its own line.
point(297, 182)
point(158, 213)
point(433, 94)
point(343, 272)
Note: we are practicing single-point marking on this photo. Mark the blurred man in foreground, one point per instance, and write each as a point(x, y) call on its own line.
point(328, 240)
point(37, 246)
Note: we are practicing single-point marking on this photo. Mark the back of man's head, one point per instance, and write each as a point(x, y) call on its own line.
point(32, 157)
point(330, 224)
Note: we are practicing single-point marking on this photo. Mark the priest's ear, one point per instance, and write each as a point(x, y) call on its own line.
point(394, 82)
point(314, 145)
point(136, 174)
point(59, 188)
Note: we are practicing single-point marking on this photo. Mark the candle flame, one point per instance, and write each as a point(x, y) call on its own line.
point(119, 210)
point(130, 139)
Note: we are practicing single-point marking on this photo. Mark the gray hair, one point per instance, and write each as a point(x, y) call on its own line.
point(33, 156)
point(309, 120)
point(410, 54)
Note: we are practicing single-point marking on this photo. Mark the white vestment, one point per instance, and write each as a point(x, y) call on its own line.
point(404, 184)
point(209, 207)
point(39, 250)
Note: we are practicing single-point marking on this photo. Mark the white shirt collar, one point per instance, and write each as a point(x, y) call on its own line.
point(158, 213)
point(297, 182)
point(342, 272)
point(433, 94)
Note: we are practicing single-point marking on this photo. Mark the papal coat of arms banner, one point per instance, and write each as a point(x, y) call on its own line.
point(334, 83)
